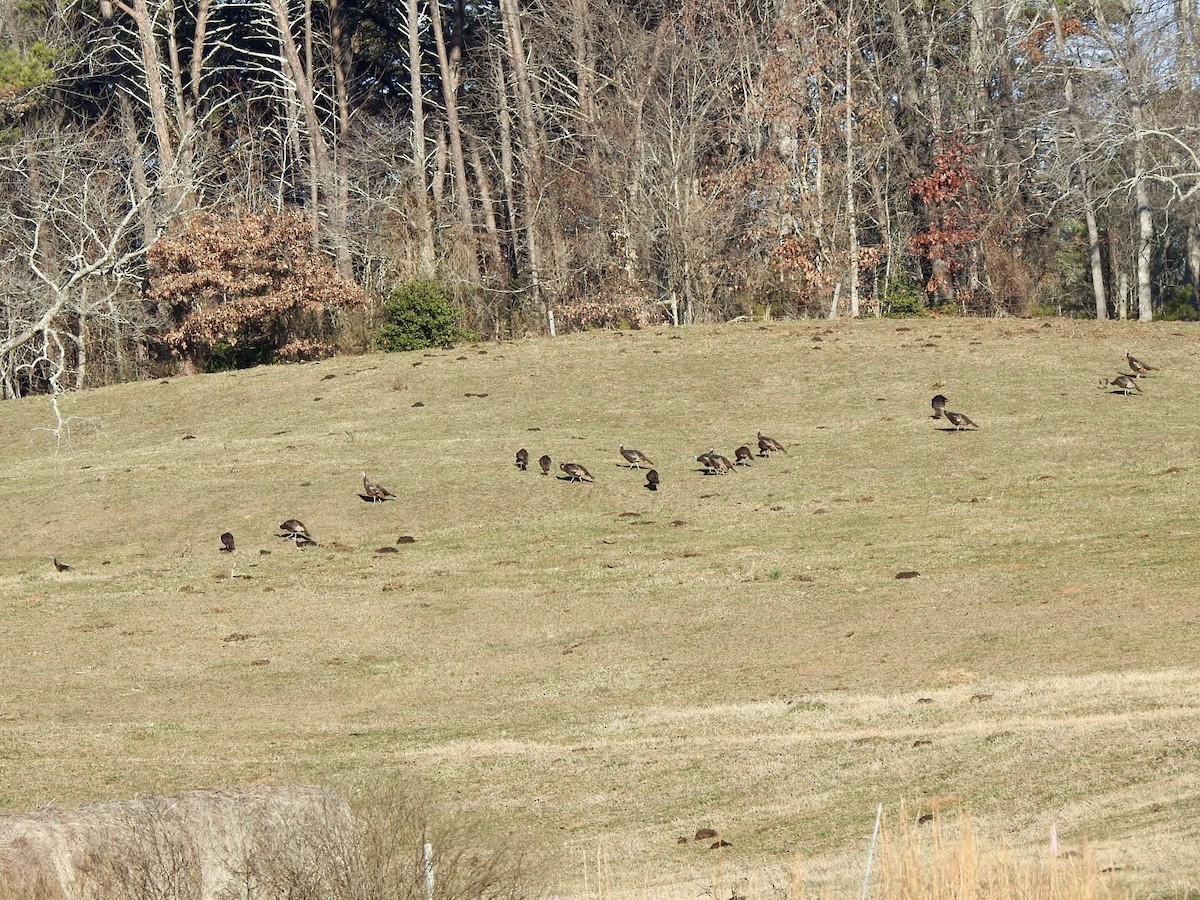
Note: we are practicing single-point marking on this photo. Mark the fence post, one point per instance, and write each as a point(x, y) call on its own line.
point(428, 871)
point(871, 852)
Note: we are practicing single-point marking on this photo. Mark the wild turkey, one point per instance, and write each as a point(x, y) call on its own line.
point(1122, 383)
point(939, 405)
point(544, 462)
point(576, 472)
point(522, 459)
point(59, 566)
point(767, 446)
point(1139, 368)
point(959, 421)
point(636, 458)
point(376, 493)
point(652, 480)
point(227, 542)
point(723, 465)
point(741, 456)
point(714, 463)
point(295, 530)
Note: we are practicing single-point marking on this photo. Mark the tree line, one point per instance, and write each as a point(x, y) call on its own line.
point(185, 177)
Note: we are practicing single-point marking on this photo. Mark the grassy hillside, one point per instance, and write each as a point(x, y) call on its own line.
point(600, 670)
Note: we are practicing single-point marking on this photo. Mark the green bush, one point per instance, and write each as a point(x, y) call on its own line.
point(417, 315)
point(244, 352)
point(902, 299)
point(24, 71)
point(1179, 304)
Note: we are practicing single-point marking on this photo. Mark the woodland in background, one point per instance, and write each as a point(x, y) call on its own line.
point(187, 182)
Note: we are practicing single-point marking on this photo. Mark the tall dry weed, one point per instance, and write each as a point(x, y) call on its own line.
point(945, 859)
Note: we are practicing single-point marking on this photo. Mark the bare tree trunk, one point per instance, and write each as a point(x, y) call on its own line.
point(507, 162)
point(1097, 264)
point(1089, 207)
point(342, 61)
point(424, 222)
point(585, 72)
point(155, 90)
point(851, 216)
point(198, 38)
point(440, 157)
point(448, 62)
point(488, 208)
point(884, 217)
point(1145, 219)
point(316, 177)
point(531, 171)
point(1119, 278)
point(141, 188)
point(1193, 259)
point(302, 91)
point(81, 352)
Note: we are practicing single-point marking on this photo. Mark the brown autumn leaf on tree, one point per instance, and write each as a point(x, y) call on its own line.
point(248, 280)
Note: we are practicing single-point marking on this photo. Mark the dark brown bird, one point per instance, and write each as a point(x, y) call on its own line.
point(576, 472)
point(741, 456)
point(767, 446)
point(1122, 383)
point(227, 542)
point(652, 480)
point(295, 530)
point(544, 462)
point(959, 421)
point(939, 405)
point(636, 458)
point(376, 493)
point(715, 463)
point(722, 464)
point(60, 566)
point(522, 459)
point(1139, 368)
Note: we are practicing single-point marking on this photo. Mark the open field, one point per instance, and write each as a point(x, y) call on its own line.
point(599, 670)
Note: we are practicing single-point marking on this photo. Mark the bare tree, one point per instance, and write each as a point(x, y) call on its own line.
point(73, 228)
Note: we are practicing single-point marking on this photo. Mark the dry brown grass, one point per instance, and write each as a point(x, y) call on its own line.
point(598, 685)
point(916, 858)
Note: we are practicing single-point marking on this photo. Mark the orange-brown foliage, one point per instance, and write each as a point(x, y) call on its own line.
point(625, 311)
point(248, 277)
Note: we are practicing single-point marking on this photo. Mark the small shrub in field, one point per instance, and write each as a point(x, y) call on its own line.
point(901, 298)
point(417, 315)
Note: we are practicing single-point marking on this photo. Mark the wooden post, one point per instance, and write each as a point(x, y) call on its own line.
point(871, 852)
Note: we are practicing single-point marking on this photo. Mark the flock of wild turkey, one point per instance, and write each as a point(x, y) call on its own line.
point(297, 532)
point(713, 462)
point(716, 464)
point(1125, 383)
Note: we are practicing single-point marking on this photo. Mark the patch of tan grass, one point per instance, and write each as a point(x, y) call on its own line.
point(917, 857)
